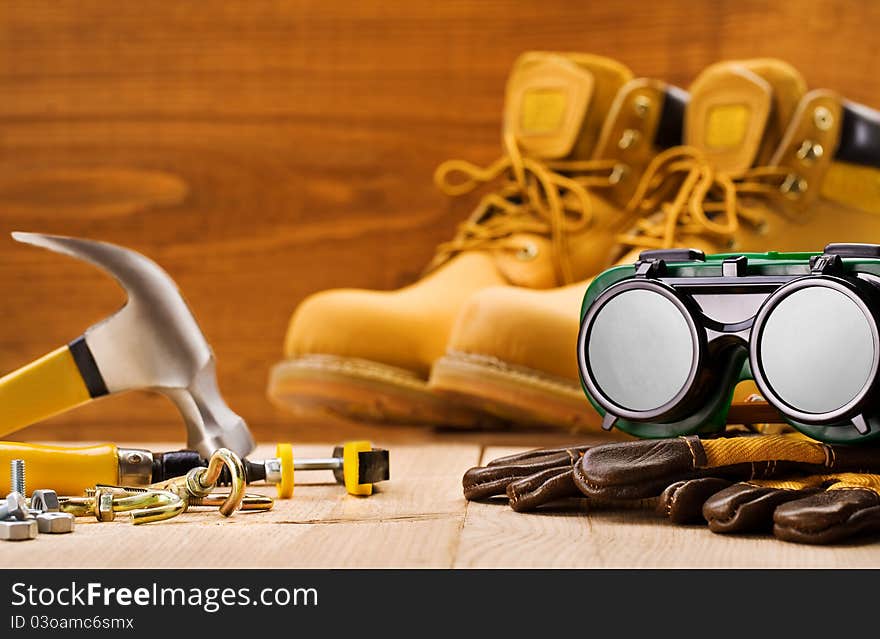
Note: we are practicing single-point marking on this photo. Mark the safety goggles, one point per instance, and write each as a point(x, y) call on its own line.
point(664, 342)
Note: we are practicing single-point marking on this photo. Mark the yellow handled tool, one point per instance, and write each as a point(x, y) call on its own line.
point(71, 470)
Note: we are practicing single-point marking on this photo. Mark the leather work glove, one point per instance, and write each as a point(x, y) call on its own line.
point(803, 490)
point(529, 479)
point(816, 509)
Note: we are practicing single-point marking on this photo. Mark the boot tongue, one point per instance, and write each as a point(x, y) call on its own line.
point(556, 103)
point(739, 110)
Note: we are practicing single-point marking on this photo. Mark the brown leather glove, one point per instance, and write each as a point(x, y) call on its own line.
point(816, 509)
point(529, 479)
point(803, 491)
point(795, 487)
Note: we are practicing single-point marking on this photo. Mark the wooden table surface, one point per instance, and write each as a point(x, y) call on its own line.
point(418, 519)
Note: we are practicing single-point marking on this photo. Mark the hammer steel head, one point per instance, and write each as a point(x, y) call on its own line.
point(154, 343)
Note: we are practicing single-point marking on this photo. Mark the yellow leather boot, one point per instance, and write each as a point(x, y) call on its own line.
point(766, 166)
point(578, 133)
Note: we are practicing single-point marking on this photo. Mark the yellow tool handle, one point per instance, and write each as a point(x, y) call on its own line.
point(45, 387)
point(69, 471)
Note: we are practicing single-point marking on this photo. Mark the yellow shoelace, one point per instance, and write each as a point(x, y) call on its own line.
point(547, 198)
point(680, 193)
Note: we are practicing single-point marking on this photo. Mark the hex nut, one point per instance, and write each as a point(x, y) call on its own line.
point(55, 523)
point(45, 500)
point(15, 530)
point(104, 505)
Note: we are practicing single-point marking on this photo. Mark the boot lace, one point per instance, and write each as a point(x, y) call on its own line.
point(549, 198)
point(680, 193)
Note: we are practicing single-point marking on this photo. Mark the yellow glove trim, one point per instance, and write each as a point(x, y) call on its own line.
point(763, 448)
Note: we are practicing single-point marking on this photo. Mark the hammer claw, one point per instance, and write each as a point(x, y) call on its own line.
point(152, 343)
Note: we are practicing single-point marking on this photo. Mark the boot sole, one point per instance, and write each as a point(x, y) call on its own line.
point(527, 397)
point(366, 391)
point(514, 393)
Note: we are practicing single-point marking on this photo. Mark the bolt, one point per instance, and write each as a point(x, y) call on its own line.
point(16, 476)
point(15, 507)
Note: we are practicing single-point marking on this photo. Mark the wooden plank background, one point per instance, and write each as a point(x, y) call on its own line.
point(264, 150)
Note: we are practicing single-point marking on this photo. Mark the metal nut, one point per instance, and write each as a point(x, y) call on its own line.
point(14, 530)
point(45, 500)
point(16, 507)
point(104, 505)
point(55, 523)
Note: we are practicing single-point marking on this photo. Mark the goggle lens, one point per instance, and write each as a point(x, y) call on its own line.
point(816, 350)
point(640, 350)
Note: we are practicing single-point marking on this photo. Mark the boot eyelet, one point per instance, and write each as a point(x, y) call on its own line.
point(641, 104)
point(527, 252)
point(618, 174)
point(793, 186)
point(822, 118)
point(628, 139)
point(810, 151)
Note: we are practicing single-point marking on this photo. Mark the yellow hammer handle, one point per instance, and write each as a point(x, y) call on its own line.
point(68, 471)
point(45, 387)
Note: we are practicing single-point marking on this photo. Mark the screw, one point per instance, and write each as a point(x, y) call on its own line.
point(16, 476)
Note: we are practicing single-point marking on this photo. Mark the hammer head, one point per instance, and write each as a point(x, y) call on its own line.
point(154, 343)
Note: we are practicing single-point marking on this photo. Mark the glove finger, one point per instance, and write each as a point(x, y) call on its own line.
point(482, 482)
point(538, 456)
point(682, 502)
point(542, 488)
point(635, 470)
point(746, 507)
point(828, 517)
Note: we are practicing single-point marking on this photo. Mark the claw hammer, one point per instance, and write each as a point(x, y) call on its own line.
point(152, 343)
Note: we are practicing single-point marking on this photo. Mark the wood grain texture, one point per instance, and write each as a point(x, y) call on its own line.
point(414, 520)
point(264, 150)
point(417, 519)
point(627, 537)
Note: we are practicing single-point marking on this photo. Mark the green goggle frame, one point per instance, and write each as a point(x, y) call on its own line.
point(664, 342)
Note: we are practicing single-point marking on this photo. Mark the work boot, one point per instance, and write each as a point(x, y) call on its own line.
point(578, 133)
point(766, 166)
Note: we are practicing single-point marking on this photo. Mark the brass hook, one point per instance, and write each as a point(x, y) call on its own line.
point(105, 501)
point(198, 483)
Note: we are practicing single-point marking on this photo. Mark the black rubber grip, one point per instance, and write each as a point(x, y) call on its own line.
point(88, 368)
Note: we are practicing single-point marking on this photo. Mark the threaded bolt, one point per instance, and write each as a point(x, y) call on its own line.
point(17, 476)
